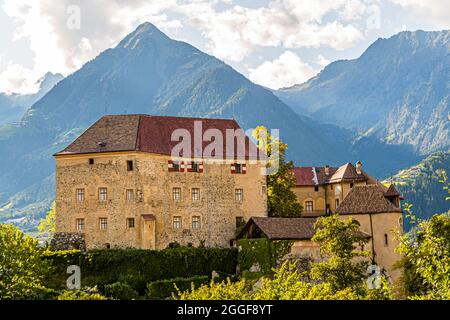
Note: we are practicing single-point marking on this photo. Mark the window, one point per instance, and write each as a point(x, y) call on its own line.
point(263, 189)
point(239, 168)
point(102, 194)
point(309, 206)
point(386, 240)
point(195, 194)
point(239, 195)
point(80, 225)
point(239, 221)
point(195, 222)
point(107, 245)
point(91, 161)
point(336, 202)
point(316, 188)
point(174, 165)
point(130, 194)
point(103, 223)
point(130, 222)
point(194, 167)
point(80, 195)
point(129, 165)
point(351, 184)
point(177, 222)
point(176, 194)
point(338, 189)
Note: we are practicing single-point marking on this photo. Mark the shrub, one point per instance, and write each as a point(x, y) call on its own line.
point(22, 269)
point(85, 294)
point(120, 291)
point(163, 289)
point(138, 267)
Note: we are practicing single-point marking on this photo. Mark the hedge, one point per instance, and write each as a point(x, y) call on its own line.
point(137, 267)
point(163, 289)
point(262, 251)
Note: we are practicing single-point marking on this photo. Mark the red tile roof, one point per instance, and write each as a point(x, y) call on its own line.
point(151, 134)
point(310, 176)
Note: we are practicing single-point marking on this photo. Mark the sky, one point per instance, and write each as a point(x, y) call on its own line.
point(275, 43)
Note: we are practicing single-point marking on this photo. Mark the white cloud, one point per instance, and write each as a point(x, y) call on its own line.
point(235, 33)
point(286, 70)
point(322, 61)
point(436, 12)
point(15, 78)
point(58, 48)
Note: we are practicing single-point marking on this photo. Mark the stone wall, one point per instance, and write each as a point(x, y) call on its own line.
point(68, 241)
point(152, 184)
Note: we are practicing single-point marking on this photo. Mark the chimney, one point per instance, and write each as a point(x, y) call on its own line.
point(358, 167)
point(327, 170)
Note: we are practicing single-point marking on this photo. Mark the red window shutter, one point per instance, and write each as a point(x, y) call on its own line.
point(233, 168)
point(170, 165)
point(182, 166)
point(189, 167)
point(244, 168)
point(200, 167)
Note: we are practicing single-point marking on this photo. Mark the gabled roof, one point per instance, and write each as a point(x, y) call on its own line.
point(366, 199)
point(392, 191)
point(146, 133)
point(310, 176)
point(284, 228)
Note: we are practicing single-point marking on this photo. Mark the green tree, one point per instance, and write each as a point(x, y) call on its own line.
point(282, 201)
point(47, 226)
point(22, 267)
point(341, 243)
point(428, 252)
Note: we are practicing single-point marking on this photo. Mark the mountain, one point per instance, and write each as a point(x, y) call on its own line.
point(13, 106)
point(398, 91)
point(147, 72)
point(420, 185)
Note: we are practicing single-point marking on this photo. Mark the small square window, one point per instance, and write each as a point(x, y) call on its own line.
point(194, 167)
point(130, 195)
point(130, 222)
point(239, 195)
point(129, 165)
point(176, 166)
point(102, 194)
point(80, 225)
point(196, 222)
point(238, 168)
point(103, 223)
point(80, 195)
point(176, 194)
point(195, 194)
point(91, 160)
point(309, 206)
point(316, 188)
point(177, 222)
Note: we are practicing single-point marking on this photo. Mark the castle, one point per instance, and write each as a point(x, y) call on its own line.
point(120, 185)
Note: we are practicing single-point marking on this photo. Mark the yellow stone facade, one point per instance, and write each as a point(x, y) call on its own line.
point(149, 207)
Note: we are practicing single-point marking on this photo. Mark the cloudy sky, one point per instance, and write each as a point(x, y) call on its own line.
point(276, 43)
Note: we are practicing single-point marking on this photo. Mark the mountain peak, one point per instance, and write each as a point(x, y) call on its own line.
point(144, 32)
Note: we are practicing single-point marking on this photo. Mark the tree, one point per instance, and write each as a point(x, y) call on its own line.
point(47, 226)
point(426, 251)
point(345, 266)
point(282, 201)
point(22, 267)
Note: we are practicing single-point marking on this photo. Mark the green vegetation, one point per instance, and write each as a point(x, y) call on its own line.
point(139, 267)
point(22, 269)
point(421, 186)
point(282, 201)
point(47, 226)
point(120, 291)
point(263, 252)
point(163, 289)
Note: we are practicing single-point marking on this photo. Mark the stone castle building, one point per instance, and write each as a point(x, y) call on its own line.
point(119, 186)
point(347, 191)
